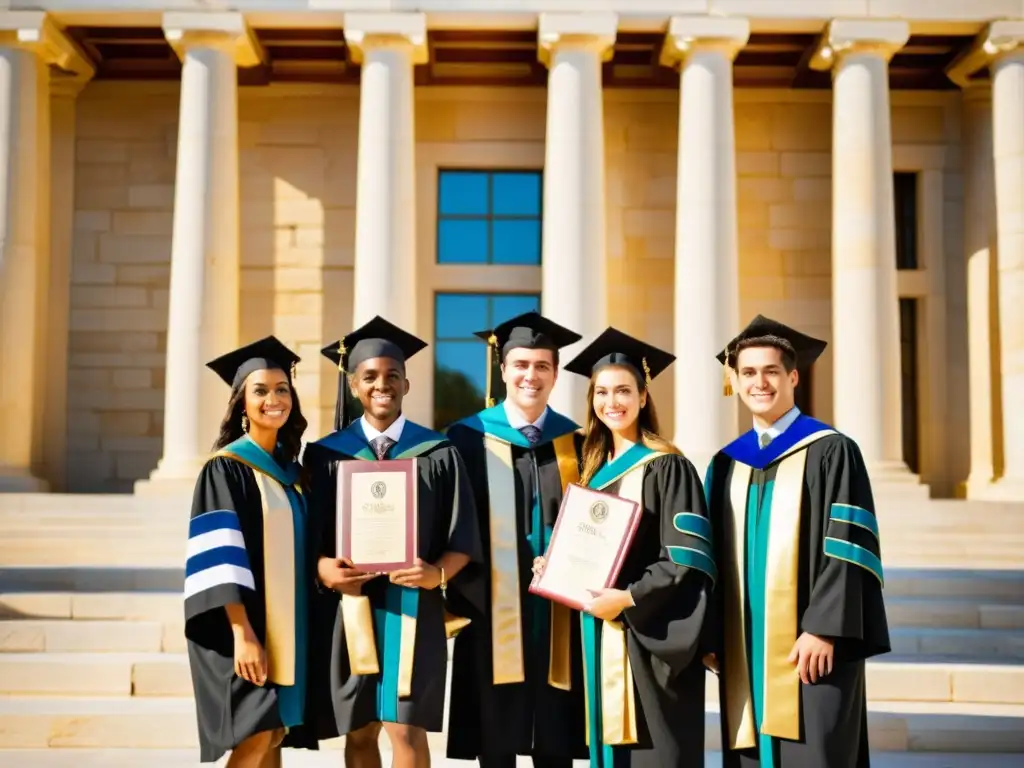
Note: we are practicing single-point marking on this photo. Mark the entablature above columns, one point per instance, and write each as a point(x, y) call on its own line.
point(226, 31)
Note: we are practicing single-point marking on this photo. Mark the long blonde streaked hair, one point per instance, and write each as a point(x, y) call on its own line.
point(597, 442)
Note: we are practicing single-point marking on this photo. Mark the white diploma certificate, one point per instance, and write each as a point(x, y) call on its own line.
point(590, 540)
point(376, 514)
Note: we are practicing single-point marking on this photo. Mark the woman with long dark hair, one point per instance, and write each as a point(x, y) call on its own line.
point(249, 570)
point(643, 670)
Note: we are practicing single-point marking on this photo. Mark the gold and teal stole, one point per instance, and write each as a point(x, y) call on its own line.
point(608, 676)
point(762, 527)
point(284, 550)
point(507, 646)
point(392, 624)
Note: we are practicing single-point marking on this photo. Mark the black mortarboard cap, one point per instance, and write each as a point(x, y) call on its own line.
point(530, 330)
point(613, 347)
point(377, 338)
point(266, 354)
point(807, 348)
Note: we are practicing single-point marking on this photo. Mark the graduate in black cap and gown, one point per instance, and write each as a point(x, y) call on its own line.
point(799, 601)
point(517, 686)
point(389, 653)
point(642, 640)
point(249, 568)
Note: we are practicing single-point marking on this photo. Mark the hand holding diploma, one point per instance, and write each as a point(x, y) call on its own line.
point(606, 604)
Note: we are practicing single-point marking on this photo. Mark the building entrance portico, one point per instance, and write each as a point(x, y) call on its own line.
point(645, 201)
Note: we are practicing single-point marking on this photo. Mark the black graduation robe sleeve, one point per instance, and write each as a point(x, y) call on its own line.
point(846, 601)
point(672, 594)
point(218, 570)
point(454, 493)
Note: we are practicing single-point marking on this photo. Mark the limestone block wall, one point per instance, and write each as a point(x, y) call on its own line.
point(641, 137)
point(124, 194)
point(298, 148)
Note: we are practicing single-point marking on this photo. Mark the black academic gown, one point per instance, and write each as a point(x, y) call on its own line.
point(226, 564)
point(670, 573)
point(527, 715)
point(801, 513)
point(447, 523)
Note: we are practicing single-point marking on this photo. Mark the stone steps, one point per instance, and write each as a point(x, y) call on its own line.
point(154, 723)
point(1006, 644)
point(938, 612)
point(185, 758)
point(163, 674)
point(988, 584)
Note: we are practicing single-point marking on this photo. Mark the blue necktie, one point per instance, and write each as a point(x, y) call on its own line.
point(531, 433)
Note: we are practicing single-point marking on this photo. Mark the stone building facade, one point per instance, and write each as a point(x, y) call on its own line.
point(179, 181)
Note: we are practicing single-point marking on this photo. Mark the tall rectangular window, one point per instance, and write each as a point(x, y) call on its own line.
point(908, 381)
point(489, 217)
point(460, 358)
point(905, 199)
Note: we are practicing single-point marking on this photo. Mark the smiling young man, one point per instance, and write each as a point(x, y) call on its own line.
point(799, 594)
point(517, 685)
point(388, 653)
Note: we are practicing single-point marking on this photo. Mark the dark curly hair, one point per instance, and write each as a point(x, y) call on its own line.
point(289, 436)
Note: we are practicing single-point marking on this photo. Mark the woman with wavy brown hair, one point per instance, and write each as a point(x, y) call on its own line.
point(248, 570)
point(643, 670)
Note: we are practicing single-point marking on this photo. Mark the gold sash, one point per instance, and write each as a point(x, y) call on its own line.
point(618, 702)
point(560, 660)
point(739, 703)
point(278, 579)
point(781, 682)
point(506, 615)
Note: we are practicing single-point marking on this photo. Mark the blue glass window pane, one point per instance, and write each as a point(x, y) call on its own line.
point(463, 193)
point(516, 241)
point(505, 307)
point(461, 241)
point(458, 315)
point(516, 194)
point(468, 358)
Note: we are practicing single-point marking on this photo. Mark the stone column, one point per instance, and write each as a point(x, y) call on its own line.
point(574, 293)
point(64, 92)
point(865, 307)
point(387, 46)
point(203, 313)
point(706, 264)
point(30, 43)
point(982, 318)
point(1008, 156)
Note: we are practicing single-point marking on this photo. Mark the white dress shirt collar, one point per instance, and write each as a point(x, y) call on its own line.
point(517, 420)
point(780, 425)
point(394, 431)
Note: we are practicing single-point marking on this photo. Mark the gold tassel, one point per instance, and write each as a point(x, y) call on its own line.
point(727, 380)
point(341, 355)
point(295, 372)
point(647, 371)
point(492, 344)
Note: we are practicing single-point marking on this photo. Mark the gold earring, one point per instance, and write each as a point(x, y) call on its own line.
point(245, 423)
